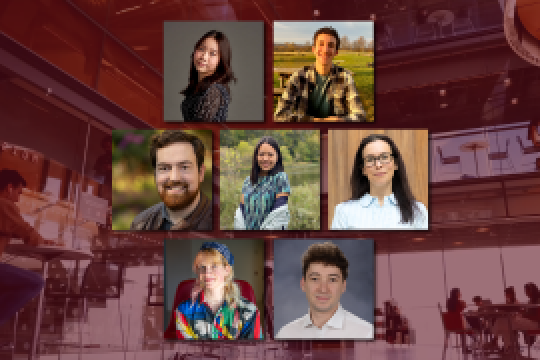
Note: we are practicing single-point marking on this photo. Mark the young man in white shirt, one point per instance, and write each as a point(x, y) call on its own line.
point(324, 280)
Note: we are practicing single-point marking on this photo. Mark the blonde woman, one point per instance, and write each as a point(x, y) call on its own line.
point(216, 310)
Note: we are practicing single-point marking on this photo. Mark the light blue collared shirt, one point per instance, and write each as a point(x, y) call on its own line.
point(366, 213)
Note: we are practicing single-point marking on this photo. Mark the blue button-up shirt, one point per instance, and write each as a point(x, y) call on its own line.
point(366, 213)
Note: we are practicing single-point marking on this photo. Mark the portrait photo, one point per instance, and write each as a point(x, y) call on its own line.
point(378, 179)
point(214, 289)
point(269, 180)
point(324, 289)
point(213, 71)
point(162, 180)
point(323, 71)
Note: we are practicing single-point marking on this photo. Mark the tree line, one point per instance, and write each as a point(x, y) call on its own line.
point(300, 145)
point(361, 44)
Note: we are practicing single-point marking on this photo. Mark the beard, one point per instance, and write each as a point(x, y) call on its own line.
point(178, 201)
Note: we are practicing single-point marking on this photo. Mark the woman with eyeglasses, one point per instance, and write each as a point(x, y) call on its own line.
point(216, 309)
point(381, 196)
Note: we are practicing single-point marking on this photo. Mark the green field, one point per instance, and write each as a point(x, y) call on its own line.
point(353, 61)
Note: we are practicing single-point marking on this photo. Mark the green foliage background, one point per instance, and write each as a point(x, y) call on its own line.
point(301, 155)
point(133, 183)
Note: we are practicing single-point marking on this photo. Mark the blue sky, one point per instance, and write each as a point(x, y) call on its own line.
point(302, 31)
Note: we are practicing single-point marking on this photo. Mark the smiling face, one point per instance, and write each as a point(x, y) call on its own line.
point(206, 57)
point(178, 178)
point(325, 48)
point(379, 165)
point(323, 286)
point(267, 157)
point(210, 269)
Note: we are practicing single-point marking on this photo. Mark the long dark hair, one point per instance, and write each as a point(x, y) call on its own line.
point(452, 304)
point(511, 293)
point(255, 168)
point(400, 184)
point(533, 293)
point(223, 74)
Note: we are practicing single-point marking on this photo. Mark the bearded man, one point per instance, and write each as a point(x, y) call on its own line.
point(178, 162)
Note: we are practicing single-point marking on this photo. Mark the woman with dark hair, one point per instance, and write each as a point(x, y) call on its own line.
point(265, 192)
point(381, 196)
point(527, 320)
point(454, 302)
point(510, 296)
point(208, 93)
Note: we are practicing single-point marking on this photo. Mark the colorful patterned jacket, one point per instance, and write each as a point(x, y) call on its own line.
point(195, 320)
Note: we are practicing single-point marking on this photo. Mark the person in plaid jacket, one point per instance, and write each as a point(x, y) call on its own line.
point(321, 91)
point(216, 310)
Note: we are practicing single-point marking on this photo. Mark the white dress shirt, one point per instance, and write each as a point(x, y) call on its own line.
point(342, 325)
point(366, 213)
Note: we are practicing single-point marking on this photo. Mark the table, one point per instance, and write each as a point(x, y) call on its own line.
point(508, 311)
point(442, 18)
point(45, 254)
point(474, 146)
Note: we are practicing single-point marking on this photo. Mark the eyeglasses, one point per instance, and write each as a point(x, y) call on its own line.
point(384, 159)
point(202, 269)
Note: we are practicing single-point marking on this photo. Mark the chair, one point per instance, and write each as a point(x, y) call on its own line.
point(530, 335)
point(425, 32)
point(462, 22)
point(502, 155)
point(183, 293)
point(453, 324)
point(101, 280)
point(449, 160)
point(526, 150)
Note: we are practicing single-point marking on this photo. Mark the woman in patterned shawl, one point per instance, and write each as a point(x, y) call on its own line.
point(216, 310)
point(265, 193)
point(208, 94)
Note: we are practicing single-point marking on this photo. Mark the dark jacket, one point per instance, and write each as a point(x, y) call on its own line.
point(153, 218)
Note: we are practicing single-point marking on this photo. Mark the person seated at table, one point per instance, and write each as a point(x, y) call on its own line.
point(525, 320)
point(321, 91)
point(478, 301)
point(481, 304)
point(510, 296)
point(454, 304)
point(17, 286)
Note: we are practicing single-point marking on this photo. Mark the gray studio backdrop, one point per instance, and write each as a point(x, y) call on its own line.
point(179, 256)
point(247, 61)
point(290, 301)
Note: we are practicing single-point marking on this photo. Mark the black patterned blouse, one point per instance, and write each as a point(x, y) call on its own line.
point(211, 105)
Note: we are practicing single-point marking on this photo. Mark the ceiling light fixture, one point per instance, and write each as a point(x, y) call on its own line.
point(444, 105)
point(507, 82)
point(514, 101)
point(442, 92)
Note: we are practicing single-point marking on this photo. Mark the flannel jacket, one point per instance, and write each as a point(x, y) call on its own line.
point(341, 93)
